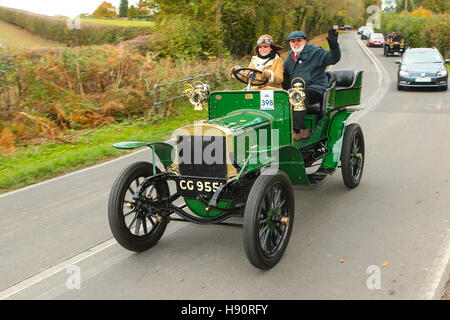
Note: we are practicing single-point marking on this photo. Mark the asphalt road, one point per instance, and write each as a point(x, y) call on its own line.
point(393, 228)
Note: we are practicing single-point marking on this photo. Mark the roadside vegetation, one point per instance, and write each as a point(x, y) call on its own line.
point(62, 109)
point(123, 23)
point(33, 163)
point(56, 29)
point(421, 28)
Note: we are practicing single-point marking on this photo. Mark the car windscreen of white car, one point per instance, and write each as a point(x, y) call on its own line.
point(422, 57)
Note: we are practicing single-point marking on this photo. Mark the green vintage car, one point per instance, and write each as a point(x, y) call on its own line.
point(241, 162)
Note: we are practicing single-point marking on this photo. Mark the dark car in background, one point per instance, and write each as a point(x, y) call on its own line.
point(422, 67)
point(375, 40)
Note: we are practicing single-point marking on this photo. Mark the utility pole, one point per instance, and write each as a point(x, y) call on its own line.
point(406, 6)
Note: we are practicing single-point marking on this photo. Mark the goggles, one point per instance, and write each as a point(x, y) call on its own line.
point(264, 40)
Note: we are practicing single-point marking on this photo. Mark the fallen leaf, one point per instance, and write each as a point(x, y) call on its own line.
point(341, 261)
point(384, 264)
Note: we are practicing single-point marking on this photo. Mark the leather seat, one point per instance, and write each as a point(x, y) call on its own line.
point(342, 80)
point(346, 79)
point(316, 108)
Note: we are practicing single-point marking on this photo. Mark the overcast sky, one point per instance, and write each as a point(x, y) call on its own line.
point(69, 8)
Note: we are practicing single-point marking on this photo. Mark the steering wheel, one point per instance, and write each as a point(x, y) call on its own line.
point(250, 78)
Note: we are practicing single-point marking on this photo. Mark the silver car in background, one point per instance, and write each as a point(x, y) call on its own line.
point(422, 67)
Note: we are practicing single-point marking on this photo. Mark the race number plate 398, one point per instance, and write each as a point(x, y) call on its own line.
point(267, 102)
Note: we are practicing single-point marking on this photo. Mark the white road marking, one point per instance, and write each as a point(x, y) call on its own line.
point(55, 269)
point(27, 283)
point(434, 277)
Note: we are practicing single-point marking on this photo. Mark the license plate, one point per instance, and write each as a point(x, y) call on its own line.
point(423, 79)
point(192, 187)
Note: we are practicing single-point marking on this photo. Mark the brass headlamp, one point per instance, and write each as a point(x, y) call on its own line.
point(297, 94)
point(197, 94)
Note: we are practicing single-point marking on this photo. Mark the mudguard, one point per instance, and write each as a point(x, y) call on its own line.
point(335, 136)
point(161, 149)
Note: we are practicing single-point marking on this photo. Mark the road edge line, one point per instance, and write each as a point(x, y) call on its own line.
point(70, 173)
point(434, 277)
point(47, 273)
point(382, 85)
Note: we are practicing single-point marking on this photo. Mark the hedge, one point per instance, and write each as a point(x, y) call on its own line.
point(420, 31)
point(56, 29)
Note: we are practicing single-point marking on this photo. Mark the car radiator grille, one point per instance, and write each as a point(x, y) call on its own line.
point(420, 74)
point(202, 156)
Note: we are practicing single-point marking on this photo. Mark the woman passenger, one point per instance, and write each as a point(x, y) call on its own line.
point(266, 59)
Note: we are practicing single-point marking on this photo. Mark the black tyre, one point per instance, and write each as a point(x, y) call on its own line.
point(399, 87)
point(268, 219)
point(353, 155)
point(131, 223)
point(386, 52)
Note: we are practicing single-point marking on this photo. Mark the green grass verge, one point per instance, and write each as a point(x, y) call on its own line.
point(32, 164)
point(125, 23)
point(18, 38)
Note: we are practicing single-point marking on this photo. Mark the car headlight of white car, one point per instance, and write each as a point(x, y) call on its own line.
point(442, 73)
point(404, 73)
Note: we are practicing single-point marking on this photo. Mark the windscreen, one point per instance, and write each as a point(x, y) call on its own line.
point(377, 36)
point(422, 57)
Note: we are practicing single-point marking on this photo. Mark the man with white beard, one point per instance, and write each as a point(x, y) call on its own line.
point(309, 62)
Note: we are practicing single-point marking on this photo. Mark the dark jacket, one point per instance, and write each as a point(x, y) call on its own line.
point(311, 67)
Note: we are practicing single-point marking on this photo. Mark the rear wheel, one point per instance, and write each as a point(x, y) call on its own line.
point(353, 155)
point(132, 222)
point(268, 219)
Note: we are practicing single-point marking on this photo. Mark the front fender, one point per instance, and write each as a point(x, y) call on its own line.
point(161, 149)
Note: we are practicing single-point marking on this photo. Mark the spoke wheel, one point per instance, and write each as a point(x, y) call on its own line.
point(268, 220)
point(134, 224)
point(353, 155)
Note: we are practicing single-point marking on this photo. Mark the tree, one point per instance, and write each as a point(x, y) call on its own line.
point(421, 12)
point(132, 13)
point(123, 8)
point(147, 7)
point(439, 6)
point(105, 10)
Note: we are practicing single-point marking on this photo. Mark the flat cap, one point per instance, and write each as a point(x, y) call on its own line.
point(296, 35)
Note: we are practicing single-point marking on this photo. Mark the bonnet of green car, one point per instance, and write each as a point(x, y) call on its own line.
point(241, 120)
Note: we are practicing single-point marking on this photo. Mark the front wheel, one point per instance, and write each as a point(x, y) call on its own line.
point(352, 157)
point(268, 219)
point(133, 223)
